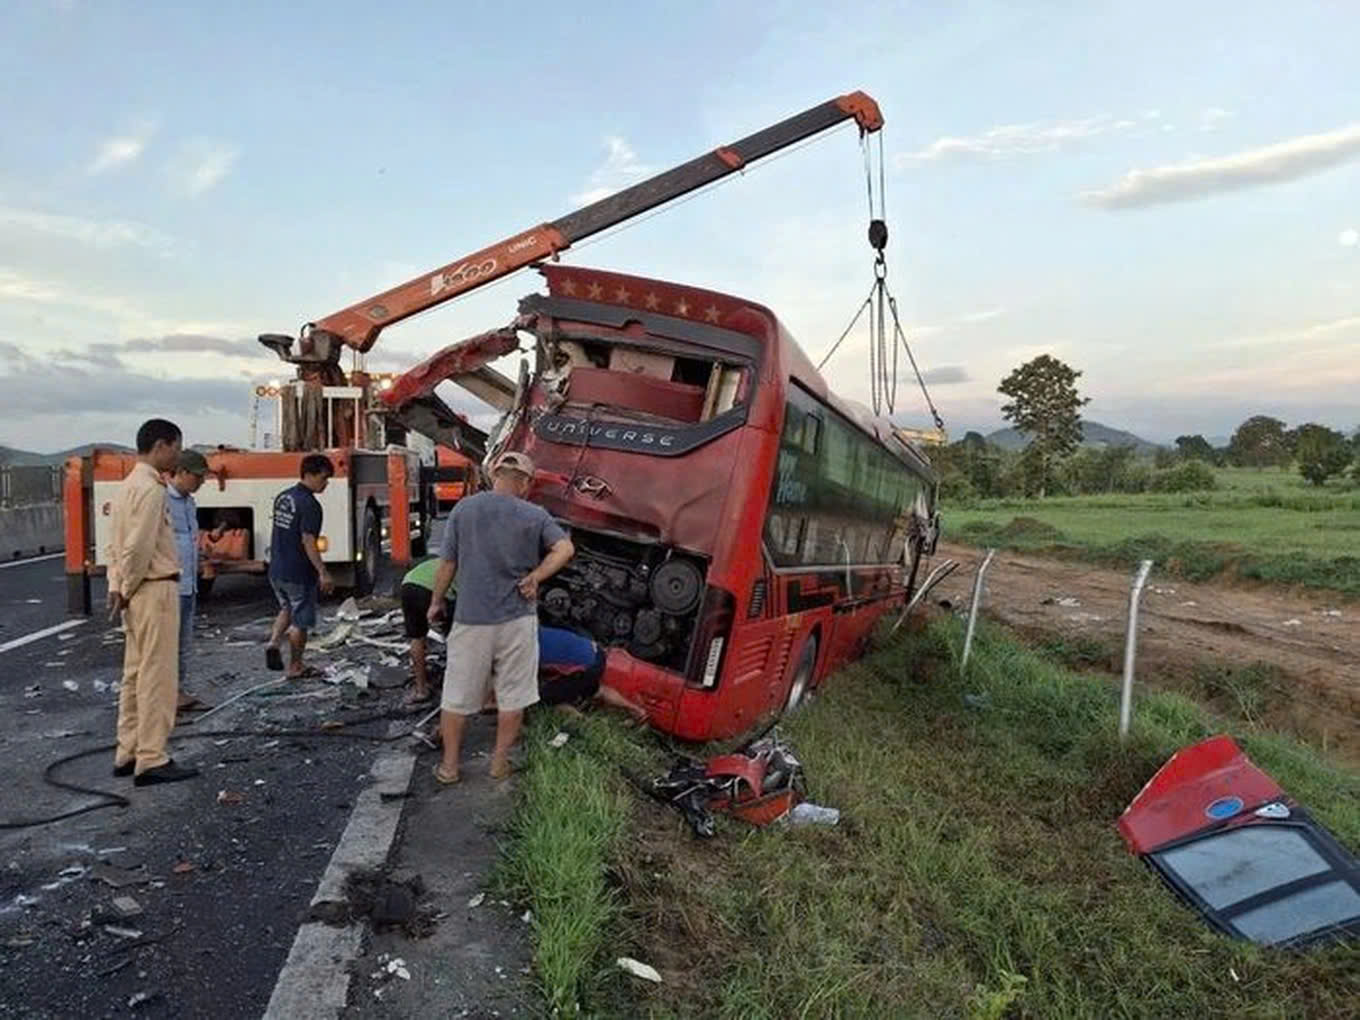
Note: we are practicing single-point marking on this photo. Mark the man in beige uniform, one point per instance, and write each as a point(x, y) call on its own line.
point(144, 587)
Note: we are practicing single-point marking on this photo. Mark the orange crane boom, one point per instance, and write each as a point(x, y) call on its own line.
point(358, 327)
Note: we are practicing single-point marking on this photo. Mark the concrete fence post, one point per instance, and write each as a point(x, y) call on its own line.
point(1130, 649)
point(973, 609)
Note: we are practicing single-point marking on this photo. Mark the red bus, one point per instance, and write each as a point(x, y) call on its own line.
point(739, 530)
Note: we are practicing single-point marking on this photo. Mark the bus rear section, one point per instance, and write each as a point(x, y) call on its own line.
point(656, 417)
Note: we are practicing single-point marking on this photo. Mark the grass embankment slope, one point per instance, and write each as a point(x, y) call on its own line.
point(977, 872)
point(1266, 526)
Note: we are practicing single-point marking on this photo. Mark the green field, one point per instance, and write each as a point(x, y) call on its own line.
point(976, 873)
point(1261, 525)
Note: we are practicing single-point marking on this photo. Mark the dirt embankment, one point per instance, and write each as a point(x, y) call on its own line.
point(1285, 658)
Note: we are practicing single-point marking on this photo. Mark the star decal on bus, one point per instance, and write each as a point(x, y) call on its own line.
point(569, 287)
point(595, 290)
point(621, 295)
point(682, 307)
point(653, 302)
point(711, 313)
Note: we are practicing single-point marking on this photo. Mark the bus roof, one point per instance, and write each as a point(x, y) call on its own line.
point(697, 304)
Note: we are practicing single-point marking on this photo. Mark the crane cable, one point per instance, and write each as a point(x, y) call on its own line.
point(881, 302)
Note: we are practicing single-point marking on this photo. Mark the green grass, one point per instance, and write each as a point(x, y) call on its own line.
point(977, 872)
point(1263, 525)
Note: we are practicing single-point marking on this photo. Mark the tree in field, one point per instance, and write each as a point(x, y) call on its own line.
point(1321, 452)
point(1045, 406)
point(1195, 447)
point(1259, 442)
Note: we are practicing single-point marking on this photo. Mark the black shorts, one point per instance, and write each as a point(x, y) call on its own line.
point(415, 610)
point(569, 688)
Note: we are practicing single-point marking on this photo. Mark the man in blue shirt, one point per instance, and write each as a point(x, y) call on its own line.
point(570, 667)
point(295, 567)
point(179, 500)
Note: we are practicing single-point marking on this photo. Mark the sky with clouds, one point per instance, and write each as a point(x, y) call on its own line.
point(1167, 196)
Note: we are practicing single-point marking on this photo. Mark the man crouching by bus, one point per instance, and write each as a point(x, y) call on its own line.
point(417, 591)
point(569, 670)
point(493, 542)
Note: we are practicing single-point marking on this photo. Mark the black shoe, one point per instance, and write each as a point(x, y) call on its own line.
point(123, 771)
point(167, 773)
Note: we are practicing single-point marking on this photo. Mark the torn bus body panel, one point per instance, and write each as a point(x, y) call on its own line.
point(1228, 840)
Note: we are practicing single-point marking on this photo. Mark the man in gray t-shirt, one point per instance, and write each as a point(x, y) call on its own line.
point(500, 547)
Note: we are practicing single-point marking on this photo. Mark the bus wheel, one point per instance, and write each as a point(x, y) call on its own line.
point(802, 676)
point(366, 571)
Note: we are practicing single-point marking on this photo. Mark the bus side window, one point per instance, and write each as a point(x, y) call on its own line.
point(812, 430)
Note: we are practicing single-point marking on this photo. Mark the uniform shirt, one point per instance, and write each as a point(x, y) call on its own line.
point(496, 539)
point(296, 513)
point(184, 519)
point(422, 574)
point(141, 540)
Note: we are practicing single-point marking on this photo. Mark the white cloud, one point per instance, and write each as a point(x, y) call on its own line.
point(94, 233)
point(1270, 164)
point(1008, 140)
point(620, 169)
point(1284, 339)
point(200, 165)
point(1348, 238)
point(123, 149)
point(1211, 118)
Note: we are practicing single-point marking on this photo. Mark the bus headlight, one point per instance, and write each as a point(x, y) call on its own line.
point(714, 659)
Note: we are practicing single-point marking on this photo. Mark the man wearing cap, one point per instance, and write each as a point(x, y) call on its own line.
point(500, 548)
point(179, 499)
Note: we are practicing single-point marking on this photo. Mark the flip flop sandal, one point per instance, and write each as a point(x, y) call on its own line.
point(442, 778)
point(273, 658)
point(305, 673)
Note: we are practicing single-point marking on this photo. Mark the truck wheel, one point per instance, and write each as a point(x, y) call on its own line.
point(366, 570)
point(802, 676)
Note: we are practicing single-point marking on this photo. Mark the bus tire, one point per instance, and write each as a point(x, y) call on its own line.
point(801, 681)
point(366, 570)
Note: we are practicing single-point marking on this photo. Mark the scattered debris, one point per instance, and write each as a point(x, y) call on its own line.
point(558, 741)
point(1293, 623)
point(808, 813)
point(127, 906)
point(183, 867)
point(527, 917)
point(119, 878)
point(122, 933)
point(978, 701)
point(349, 610)
point(63, 734)
point(1189, 603)
point(33, 691)
point(476, 901)
point(34, 602)
point(100, 686)
point(142, 998)
point(638, 969)
point(759, 784)
point(1331, 612)
point(345, 672)
point(74, 871)
point(397, 968)
point(70, 685)
point(229, 797)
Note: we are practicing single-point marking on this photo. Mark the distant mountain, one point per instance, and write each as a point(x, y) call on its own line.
point(1092, 434)
point(27, 458)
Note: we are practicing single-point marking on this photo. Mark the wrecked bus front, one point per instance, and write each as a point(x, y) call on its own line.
point(738, 529)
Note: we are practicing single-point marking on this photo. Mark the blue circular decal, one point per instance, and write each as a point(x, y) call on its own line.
point(1224, 807)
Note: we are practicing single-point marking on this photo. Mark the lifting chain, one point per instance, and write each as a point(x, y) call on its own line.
point(880, 303)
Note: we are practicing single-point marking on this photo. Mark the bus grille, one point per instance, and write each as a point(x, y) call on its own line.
point(751, 659)
point(757, 605)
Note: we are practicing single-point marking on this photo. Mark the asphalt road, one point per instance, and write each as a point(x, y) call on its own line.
point(221, 887)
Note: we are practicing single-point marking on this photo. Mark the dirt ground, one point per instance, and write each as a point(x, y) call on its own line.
point(1192, 636)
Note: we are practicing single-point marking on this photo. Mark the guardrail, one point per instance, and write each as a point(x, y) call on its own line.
point(25, 485)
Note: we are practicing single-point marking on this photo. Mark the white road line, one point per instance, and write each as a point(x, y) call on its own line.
point(31, 559)
point(314, 981)
point(38, 635)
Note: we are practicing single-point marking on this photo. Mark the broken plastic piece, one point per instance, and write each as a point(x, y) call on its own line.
point(560, 739)
point(639, 969)
point(807, 813)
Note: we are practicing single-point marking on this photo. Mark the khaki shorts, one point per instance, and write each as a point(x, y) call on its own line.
point(480, 655)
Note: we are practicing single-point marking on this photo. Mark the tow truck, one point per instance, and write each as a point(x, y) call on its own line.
point(381, 501)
